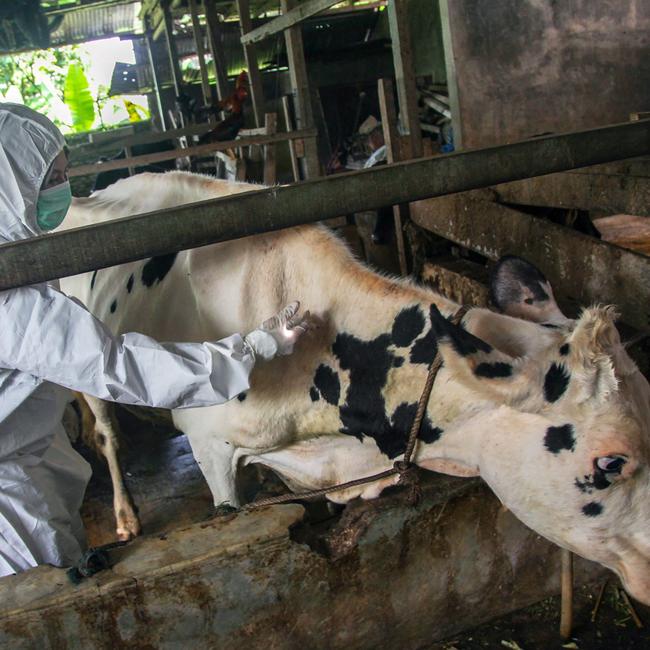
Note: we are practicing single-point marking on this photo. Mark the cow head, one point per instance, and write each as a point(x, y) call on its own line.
point(566, 448)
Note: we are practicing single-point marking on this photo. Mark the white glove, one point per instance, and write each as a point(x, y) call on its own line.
point(278, 335)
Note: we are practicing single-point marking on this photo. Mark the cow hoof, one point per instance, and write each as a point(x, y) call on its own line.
point(224, 509)
point(128, 530)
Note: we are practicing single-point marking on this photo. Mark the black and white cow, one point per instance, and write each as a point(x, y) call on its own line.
point(554, 419)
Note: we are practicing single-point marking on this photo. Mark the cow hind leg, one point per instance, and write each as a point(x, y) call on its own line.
point(100, 431)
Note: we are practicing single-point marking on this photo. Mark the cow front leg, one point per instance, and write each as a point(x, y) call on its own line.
point(100, 431)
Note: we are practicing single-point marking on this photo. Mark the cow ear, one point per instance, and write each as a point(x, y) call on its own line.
point(471, 360)
point(519, 289)
point(593, 343)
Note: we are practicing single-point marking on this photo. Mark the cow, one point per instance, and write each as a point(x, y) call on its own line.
point(551, 412)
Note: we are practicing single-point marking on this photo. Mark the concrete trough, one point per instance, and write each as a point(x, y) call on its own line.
point(381, 574)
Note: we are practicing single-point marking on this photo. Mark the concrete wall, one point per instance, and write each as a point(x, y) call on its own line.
point(525, 67)
point(382, 575)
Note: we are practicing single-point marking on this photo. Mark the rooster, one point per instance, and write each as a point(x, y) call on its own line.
point(233, 106)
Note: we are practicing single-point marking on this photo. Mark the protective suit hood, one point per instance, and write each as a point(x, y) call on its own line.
point(29, 142)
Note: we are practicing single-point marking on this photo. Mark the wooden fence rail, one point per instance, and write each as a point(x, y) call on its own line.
point(199, 150)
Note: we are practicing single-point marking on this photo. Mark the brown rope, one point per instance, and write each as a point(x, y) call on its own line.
point(402, 467)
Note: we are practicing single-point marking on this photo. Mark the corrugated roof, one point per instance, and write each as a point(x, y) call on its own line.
point(97, 22)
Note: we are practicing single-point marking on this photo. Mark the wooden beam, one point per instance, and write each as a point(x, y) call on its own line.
point(301, 94)
point(216, 48)
point(405, 73)
point(391, 139)
point(197, 34)
point(199, 150)
point(606, 193)
point(144, 138)
point(288, 19)
point(250, 53)
point(76, 251)
point(581, 268)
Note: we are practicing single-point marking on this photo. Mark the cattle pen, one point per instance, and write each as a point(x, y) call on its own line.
point(390, 572)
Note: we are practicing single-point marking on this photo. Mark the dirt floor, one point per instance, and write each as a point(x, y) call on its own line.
point(170, 492)
point(537, 627)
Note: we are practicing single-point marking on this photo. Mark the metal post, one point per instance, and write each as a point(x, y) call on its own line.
point(124, 240)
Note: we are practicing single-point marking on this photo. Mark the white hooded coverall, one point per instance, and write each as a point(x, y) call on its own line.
point(49, 341)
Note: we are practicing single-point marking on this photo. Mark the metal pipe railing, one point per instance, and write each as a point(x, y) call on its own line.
point(197, 224)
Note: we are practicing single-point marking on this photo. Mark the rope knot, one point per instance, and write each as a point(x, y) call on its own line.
point(402, 467)
point(409, 478)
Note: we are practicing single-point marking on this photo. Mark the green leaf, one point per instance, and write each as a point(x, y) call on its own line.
point(77, 96)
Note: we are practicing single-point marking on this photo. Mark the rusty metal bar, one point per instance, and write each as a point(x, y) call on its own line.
point(198, 224)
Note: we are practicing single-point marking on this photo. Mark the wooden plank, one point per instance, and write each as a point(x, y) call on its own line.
point(582, 268)
point(270, 166)
point(216, 48)
point(199, 150)
point(608, 194)
point(405, 73)
point(393, 154)
point(288, 19)
point(250, 53)
point(462, 281)
point(627, 231)
point(292, 143)
point(60, 254)
point(197, 34)
point(301, 94)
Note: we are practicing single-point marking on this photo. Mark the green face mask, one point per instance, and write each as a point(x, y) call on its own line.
point(53, 205)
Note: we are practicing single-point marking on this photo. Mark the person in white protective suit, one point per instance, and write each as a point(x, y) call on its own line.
point(50, 343)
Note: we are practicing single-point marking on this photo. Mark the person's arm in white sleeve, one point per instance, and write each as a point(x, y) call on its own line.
point(55, 338)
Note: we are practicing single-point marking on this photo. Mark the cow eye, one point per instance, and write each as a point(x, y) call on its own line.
point(612, 465)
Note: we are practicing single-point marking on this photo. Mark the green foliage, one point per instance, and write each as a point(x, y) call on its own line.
point(37, 78)
point(78, 98)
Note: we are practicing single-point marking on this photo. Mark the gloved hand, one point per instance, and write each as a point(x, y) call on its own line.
point(278, 335)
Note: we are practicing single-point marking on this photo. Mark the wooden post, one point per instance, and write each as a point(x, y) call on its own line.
point(174, 61)
point(301, 94)
point(270, 167)
point(405, 73)
point(566, 616)
point(250, 52)
point(295, 168)
point(450, 66)
point(393, 154)
point(155, 80)
point(216, 48)
point(197, 33)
